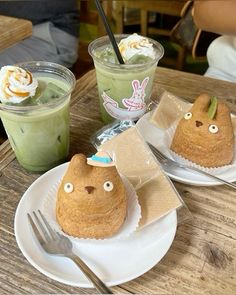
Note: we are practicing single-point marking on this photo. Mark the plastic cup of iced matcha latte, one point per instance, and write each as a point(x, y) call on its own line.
point(34, 110)
point(124, 89)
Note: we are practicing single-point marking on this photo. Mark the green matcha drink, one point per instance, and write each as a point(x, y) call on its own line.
point(36, 115)
point(124, 89)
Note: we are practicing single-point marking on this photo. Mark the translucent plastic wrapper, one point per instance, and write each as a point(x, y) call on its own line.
point(156, 194)
point(110, 131)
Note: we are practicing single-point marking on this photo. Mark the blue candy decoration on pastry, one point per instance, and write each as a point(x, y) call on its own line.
point(100, 159)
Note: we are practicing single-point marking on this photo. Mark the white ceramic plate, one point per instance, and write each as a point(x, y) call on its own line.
point(115, 262)
point(155, 136)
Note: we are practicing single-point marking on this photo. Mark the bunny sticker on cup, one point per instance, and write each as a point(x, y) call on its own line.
point(136, 101)
point(135, 105)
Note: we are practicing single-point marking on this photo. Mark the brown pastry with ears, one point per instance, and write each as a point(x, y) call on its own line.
point(205, 134)
point(91, 200)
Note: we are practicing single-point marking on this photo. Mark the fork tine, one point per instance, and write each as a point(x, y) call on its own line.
point(35, 230)
point(49, 228)
point(156, 152)
point(162, 156)
point(42, 228)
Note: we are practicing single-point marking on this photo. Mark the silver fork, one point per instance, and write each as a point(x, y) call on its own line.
point(164, 160)
point(56, 244)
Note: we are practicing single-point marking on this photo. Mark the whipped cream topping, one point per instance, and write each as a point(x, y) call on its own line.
point(16, 84)
point(136, 44)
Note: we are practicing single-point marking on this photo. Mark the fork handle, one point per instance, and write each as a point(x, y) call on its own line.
point(98, 284)
point(211, 176)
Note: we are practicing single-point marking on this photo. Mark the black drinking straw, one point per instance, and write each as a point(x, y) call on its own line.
point(109, 31)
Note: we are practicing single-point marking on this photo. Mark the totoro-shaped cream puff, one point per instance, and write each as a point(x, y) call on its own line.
point(91, 199)
point(205, 134)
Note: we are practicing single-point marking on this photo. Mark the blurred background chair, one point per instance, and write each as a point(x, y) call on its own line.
point(91, 27)
point(153, 18)
point(156, 18)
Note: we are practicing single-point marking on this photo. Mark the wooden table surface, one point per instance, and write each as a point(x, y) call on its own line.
point(13, 30)
point(202, 257)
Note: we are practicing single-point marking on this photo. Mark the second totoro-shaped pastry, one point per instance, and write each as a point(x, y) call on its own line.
point(91, 200)
point(205, 134)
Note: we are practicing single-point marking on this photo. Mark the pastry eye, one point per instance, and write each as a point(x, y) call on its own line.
point(188, 116)
point(213, 129)
point(68, 187)
point(108, 186)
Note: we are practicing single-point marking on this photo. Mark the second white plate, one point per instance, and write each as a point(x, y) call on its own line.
point(147, 130)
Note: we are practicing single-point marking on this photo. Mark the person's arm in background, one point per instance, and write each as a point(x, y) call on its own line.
point(215, 16)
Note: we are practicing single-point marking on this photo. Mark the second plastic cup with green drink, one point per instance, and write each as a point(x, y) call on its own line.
point(38, 126)
point(124, 89)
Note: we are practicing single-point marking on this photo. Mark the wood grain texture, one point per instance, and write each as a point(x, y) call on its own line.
point(202, 257)
point(6, 154)
point(13, 30)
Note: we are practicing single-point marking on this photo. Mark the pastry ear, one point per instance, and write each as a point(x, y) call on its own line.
point(201, 103)
point(78, 159)
point(222, 113)
point(78, 163)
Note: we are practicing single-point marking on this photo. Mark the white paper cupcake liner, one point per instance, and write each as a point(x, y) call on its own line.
point(130, 225)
